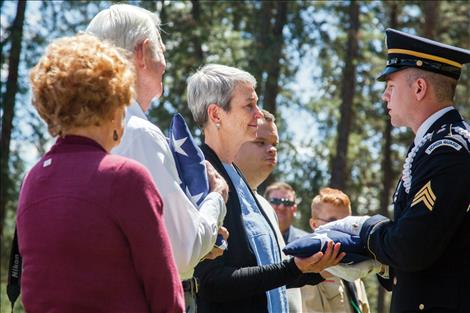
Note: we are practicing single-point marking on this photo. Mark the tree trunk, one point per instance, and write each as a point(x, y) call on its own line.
point(261, 43)
point(339, 164)
point(196, 40)
point(274, 65)
point(431, 18)
point(9, 104)
point(386, 164)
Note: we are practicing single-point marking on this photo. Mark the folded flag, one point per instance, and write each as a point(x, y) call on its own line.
point(317, 241)
point(189, 161)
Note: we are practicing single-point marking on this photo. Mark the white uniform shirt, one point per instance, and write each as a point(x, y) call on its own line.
point(423, 128)
point(192, 232)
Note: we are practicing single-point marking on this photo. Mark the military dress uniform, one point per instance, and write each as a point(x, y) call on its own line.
point(427, 246)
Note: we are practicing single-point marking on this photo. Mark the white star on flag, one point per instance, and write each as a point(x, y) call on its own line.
point(178, 143)
point(323, 237)
point(194, 198)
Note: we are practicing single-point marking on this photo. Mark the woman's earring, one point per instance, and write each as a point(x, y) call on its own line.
point(217, 125)
point(115, 135)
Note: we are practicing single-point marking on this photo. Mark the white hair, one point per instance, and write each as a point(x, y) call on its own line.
point(126, 26)
point(214, 83)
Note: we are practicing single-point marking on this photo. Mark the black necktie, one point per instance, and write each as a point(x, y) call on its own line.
point(352, 295)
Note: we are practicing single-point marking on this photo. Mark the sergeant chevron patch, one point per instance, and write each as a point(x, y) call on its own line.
point(425, 195)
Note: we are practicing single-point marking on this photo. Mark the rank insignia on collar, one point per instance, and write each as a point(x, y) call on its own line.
point(425, 195)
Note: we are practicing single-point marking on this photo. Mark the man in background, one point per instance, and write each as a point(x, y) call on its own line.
point(333, 295)
point(256, 159)
point(282, 198)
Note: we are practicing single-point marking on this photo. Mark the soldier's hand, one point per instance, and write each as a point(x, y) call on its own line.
point(216, 182)
point(319, 261)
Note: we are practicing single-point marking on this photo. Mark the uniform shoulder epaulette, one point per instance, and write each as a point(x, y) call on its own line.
point(453, 136)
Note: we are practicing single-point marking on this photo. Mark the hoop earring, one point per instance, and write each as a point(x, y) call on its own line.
point(115, 135)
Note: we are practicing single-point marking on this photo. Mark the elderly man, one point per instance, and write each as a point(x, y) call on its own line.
point(256, 160)
point(427, 246)
point(192, 231)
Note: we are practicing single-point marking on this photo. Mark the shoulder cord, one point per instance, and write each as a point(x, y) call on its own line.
point(463, 132)
point(406, 174)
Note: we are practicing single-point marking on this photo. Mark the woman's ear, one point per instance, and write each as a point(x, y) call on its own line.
point(213, 113)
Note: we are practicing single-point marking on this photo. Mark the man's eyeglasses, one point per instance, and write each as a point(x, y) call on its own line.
point(283, 201)
point(326, 220)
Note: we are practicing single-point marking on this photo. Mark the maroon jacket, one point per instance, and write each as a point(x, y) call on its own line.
point(92, 237)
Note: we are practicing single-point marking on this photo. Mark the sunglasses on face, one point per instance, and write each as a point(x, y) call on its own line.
point(283, 201)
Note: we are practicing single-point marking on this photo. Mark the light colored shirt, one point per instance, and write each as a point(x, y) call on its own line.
point(192, 232)
point(331, 296)
point(423, 128)
point(293, 294)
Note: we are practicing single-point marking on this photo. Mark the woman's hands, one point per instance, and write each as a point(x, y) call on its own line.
point(319, 261)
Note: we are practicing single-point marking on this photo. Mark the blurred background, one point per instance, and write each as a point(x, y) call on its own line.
point(315, 63)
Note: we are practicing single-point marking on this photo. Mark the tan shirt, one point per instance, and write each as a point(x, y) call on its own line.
point(330, 296)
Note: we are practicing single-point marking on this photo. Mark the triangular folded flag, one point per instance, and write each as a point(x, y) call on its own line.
point(190, 164)
point(317, 241)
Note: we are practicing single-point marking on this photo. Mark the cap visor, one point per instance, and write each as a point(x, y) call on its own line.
point(389, 70)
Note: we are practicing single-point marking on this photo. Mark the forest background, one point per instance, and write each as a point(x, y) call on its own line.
point(315, 62)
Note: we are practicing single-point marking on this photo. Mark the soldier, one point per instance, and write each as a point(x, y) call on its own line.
point(427, 246)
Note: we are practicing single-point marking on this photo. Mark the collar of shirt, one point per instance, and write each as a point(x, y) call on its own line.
point(422, 130)
point(135, 110)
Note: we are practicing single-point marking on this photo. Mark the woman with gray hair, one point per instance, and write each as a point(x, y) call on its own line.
point(250, 276)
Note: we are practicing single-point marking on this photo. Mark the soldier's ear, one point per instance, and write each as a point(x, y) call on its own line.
point(420, 88)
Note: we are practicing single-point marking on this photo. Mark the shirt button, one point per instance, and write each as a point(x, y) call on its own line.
point(394, 281)
point(421, 306)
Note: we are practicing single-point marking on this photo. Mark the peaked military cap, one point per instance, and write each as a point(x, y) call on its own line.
point(405, 51)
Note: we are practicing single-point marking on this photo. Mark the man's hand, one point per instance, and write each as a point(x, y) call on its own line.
point(350, 225)
point(319, 261)
point(216, 252)
point(216, 182)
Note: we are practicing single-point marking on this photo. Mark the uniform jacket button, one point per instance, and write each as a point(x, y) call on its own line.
point(395, 281)
point(421, 306)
